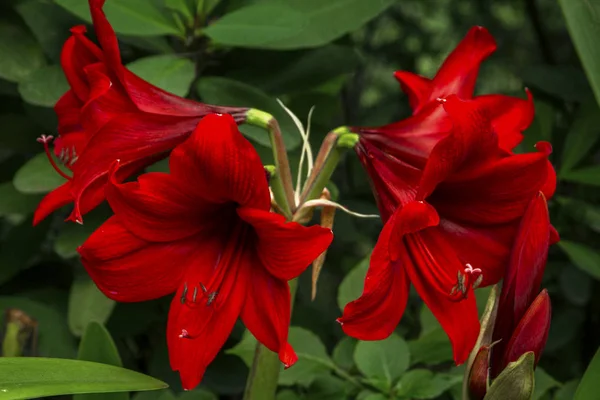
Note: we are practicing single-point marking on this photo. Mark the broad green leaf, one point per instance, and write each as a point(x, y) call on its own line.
point(245, 348)
point(288, 394)
point(196, 394)
point(87, 304)
point(98, 346)
point(15, 205)
point(169, 72)
point(583, 135)
point(543, 383)
point(582, 21)
point(28, 377)
point(293, 24)
point(129, 17)
point(516, 382)
point(20, 246)
point(431, 348)
point(227, 92)
point(588, 387)
point(567, 391)
point(21, 55)
point(424, 384)
point(182, 7)
point(54, 338)
point(584, 257)
point(352, 286)
point(37, 176)
point(428, 321)
point(44, 86)
point(312, 362)
point(384, 359)
point(19, 133)
point(561, 81)
point(49, 23)
point(329, 387)
point(587, 176)
point(343, 353)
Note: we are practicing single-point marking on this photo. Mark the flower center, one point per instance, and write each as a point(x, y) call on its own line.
point(65, 157)
point(469, 278)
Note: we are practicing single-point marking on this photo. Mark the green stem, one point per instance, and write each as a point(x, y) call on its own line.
point(264, 373)
point(278, 191)
point(267, 121)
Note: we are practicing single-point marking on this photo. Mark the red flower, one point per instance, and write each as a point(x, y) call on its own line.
point(111, 113)
point(205, 232)
point(451, 194)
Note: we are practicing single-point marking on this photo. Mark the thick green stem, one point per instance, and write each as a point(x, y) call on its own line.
point(264, 373)
point(267, 121)
point(278, 192)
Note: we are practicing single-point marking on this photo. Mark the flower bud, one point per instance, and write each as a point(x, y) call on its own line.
point(479, 374)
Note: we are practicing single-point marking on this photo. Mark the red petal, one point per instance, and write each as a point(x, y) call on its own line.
point(458, 73)
point(416, 87)
point(68, 111)
point(412, 139)
point(532, 332)
point(286, 249)
point(126, 268)
point(510, 117)
point(393, 181)
point(78, 52)
point(492, 194)
point(471, 141)
point(377, 312)
point(266, 313)
point(432, 267)
point(107, 38)
point(221, 165)
point(59, 197)
point(157, 209)
point(198, 328)
point(411, 218)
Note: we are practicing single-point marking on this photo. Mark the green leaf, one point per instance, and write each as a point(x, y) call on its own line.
point(431, 348)
point(576, 285)
point(561, 81)
point(227, 92)
point(15, 205)
point(44, 86)
point(543, 383)
point(129, 17)
point(583, 212)
point(293, 24)
point(582, 22)
point(87, 304)
point(245, 349)
point(587, 176)
point(352, 286)
point(588, 387)
point(343, 353)
point(312, 362)
point(20, 246)
point(328, 387)
point(541, 127)
point(28, 377)
point(169, 72)
point(384, 359)
point(54, 338)
point(424, 384)
point(37, 176)
point(97, 345)
point(49, 23)
point(288, 395)
point(516, 382)
point(582, 256)
point(21, 55)
point(583, 135)
point(567, 391)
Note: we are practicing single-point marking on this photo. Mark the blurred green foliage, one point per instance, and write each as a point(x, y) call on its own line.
point(342, 63)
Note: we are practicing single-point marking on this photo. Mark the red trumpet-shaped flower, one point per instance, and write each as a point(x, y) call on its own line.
point(451, 194)
point(523, 318)
point(110, 113)
point(205, 232)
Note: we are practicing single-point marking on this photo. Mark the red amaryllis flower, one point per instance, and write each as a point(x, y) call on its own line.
point(449, 225)
point(523, 319)
point(205, 232)
point(111, 113)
